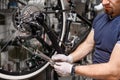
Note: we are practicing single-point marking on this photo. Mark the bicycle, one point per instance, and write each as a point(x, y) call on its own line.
point(45, 29)
point(22, 65)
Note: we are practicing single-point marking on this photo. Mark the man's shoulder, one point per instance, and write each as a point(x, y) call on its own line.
point(99, 19)
point(117, 19)
point(100, 16)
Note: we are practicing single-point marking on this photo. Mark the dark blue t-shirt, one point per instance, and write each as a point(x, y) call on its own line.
point(106, 35)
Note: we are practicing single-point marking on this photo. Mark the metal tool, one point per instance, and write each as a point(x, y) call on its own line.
point(40, 54)
point(46, 58)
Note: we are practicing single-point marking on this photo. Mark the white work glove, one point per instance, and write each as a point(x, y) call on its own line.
point(62, 57)
point(63, 68)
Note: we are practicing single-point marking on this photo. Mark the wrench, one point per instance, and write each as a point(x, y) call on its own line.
point(40, 54)
point(46, 58)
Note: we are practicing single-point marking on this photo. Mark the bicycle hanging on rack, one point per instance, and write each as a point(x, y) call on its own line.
point(43, 29)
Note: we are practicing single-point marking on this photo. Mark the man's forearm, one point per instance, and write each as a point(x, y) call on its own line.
point(81, 51)
point(84, 48)
point(102, 71)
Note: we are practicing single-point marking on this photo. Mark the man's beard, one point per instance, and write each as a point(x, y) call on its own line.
point(109, 12)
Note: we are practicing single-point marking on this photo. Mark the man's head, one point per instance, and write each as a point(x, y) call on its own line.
point(111, 7)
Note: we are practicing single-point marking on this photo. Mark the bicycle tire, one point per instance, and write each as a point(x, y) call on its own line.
point(21, 74)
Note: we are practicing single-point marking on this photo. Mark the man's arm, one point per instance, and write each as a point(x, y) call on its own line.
point(84, 48)
point(106, 71)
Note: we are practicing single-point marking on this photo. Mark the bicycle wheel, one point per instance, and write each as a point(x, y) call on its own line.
point(15, 61)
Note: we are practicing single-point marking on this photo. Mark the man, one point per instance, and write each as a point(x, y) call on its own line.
point(104, 38)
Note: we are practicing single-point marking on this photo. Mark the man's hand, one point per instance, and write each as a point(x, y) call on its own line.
point(63, 68)
point(62, 58)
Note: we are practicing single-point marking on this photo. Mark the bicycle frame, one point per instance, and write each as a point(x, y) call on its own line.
point(73, 15)
point(51, 35)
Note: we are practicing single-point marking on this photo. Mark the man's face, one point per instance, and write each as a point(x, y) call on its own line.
point(111, 7)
